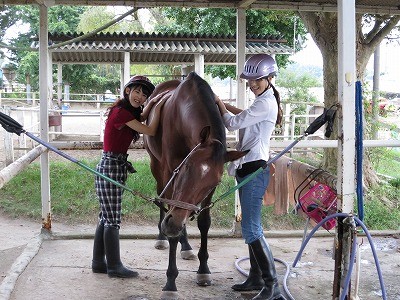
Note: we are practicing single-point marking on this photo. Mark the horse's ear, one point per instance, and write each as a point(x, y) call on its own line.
point(205, 134)
point(234, 155)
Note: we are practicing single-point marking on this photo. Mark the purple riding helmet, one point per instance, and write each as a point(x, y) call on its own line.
point(259, 66)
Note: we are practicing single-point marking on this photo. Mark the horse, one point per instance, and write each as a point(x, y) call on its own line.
point(187, 157)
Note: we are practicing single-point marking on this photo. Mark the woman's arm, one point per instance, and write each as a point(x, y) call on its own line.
point(221, 105)
point(146, 111)
point(225, 107)
point(150, 129)
point(233, 109)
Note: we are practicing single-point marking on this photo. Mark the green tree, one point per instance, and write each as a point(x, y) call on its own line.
point(295, 89)
point(297, 85)
point(370, 31)
point(223, 22)
point(96, 16)
point(9, 15)
point(62, 19)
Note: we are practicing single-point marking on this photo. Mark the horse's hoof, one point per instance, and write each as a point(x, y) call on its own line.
point(188, 255)
point(161, 244)
point(169, 295)
point(203, 279)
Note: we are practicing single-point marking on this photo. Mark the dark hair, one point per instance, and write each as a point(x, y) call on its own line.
point(278, 101)
point(145, 89)
point(277, 97)
point(124, 103)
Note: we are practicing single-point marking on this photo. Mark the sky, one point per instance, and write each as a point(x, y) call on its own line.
point(389, 63)
point(310, 55)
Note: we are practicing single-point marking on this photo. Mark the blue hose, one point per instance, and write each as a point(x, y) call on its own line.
point(347, 281)
point(359, 150)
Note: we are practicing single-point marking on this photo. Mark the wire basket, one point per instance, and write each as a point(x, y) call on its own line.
point(318, 203)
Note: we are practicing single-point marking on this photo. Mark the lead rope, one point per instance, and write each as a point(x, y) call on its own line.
point(254, 174)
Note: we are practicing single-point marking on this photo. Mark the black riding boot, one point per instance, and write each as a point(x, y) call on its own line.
point(265, 260)
point(254, 280)
point(98, 262)
point(115, 268)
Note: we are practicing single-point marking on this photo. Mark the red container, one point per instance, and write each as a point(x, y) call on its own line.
point(318, 203)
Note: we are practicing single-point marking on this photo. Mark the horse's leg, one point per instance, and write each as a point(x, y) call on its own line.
point(203, 273)
point(170, 292)
point(161, 242)
point(186, 249)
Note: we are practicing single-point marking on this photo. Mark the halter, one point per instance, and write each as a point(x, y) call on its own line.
point(194, 208)
point(178, 203)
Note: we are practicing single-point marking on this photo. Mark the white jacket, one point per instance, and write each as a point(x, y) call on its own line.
point(256, 125)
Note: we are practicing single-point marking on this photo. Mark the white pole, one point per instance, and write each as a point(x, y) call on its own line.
point(44, 121)
point(240, 56)
point(127, 68)
point(59, 84)
point(241, 89)
point(199, 64)
point(346, 136)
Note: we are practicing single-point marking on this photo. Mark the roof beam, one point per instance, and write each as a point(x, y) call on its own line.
point(46, 3)
point(245, 3)
point(389, 7)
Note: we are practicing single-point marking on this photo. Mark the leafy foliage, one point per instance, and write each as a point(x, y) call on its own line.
point(61, 19)
point(97, 16)
point(9, 15)
point(223, 22)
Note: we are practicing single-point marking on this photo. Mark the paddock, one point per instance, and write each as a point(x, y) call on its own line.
point(60, 264)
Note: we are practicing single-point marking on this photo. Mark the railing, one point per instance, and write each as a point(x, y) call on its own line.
point(83, 120)
point(31, 99)
point(87, 124)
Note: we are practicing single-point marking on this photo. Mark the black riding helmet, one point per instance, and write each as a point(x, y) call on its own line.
point(143, 81)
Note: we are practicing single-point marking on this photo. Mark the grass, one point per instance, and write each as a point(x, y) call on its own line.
point(73, 198)
point(386, 161)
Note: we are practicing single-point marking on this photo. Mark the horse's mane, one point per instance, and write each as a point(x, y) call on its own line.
point(217, 127)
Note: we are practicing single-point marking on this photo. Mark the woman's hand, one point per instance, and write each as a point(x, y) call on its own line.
point(159, 96)
point(162, 99)
point(150, 103)
point(216, 99)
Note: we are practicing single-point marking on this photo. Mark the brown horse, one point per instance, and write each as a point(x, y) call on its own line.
point(187, 155)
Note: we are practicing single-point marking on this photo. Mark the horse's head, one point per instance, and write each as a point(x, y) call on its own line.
point(197, 179)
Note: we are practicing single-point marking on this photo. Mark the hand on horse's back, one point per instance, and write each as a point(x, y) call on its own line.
point(160, 97)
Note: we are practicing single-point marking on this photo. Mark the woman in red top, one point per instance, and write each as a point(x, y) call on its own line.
point(123, 125)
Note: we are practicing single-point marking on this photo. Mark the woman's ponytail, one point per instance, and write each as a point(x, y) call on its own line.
point(278, 101)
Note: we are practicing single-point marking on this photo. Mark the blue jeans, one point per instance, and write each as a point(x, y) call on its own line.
point(251, 199)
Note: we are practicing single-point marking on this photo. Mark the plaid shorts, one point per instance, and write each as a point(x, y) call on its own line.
point(110, 195)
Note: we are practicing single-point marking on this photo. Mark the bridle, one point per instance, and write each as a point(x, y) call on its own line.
point(176, 203)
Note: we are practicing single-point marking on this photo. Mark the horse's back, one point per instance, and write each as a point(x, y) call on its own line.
point(190, 108)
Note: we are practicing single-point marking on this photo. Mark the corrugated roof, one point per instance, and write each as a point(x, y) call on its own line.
point(159, 48)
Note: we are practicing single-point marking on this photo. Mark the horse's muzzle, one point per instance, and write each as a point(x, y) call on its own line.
point(172, 227)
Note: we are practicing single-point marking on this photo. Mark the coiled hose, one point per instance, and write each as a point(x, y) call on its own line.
point(352, 257)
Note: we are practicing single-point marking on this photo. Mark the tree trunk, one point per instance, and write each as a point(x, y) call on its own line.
point(323, 29)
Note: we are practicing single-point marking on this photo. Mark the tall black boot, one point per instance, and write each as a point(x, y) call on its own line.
point(98, 262)
point(265, 260)
point(115, 268)
point(254, 280)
